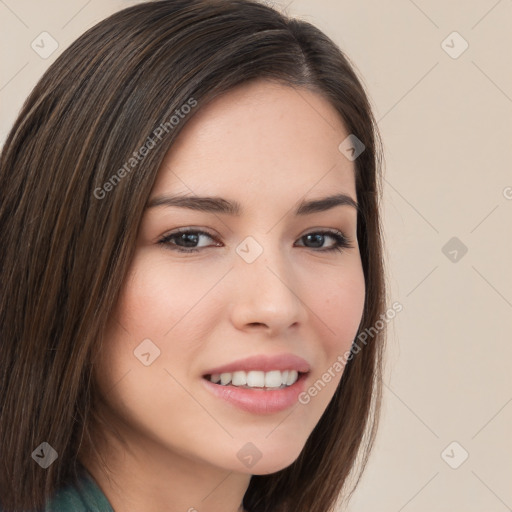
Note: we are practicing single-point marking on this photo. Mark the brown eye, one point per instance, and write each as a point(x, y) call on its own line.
point(186, 240)
point(318, 238)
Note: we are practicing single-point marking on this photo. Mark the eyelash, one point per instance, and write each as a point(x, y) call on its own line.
point(342, 241)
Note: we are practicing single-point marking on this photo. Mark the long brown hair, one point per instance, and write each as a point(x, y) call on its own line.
point(67, 238)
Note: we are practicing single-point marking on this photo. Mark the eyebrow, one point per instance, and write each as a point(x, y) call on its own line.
point(221, 205)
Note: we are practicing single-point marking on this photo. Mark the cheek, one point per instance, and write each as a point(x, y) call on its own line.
point(338, 307)
point(167, 303)
point(336, 316)
point(159, 295)
point(162, 303)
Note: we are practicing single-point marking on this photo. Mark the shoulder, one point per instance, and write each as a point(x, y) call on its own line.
point(85, 496)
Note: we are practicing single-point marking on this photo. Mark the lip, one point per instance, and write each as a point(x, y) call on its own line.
point(264, 363)
point(259, 401)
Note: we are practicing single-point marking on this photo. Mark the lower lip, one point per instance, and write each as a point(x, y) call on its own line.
point(259, 401)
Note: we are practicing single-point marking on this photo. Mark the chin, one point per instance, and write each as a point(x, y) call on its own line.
point(272, 463)
point(272, 467)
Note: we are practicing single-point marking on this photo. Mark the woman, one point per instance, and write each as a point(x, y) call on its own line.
point(191, 247)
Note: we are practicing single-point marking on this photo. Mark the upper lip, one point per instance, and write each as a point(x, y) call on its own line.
point(265, 363)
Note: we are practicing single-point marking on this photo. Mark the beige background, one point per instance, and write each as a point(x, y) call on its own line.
point(447, 129)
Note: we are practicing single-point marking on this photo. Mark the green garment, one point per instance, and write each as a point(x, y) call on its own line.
point(85, 497)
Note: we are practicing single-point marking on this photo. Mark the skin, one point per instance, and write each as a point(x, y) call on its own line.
point(268, 146)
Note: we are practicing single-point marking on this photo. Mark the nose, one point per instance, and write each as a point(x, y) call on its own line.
point(266, 294)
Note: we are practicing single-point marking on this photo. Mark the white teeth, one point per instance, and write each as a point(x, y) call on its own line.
point(292, 377)
point(273, 379)
point(239, 379)
point(256, 379)
point(225, 378)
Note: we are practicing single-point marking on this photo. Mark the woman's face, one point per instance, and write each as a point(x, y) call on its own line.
point(256, 285)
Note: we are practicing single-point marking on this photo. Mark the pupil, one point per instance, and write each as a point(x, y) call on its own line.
point(318, 239)
point(185, 238)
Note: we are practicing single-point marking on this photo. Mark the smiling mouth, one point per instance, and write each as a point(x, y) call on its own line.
point(274, 379)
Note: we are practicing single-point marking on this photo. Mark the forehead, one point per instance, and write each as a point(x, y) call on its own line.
point(260, 139)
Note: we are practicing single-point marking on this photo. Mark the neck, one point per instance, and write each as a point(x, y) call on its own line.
point(145, 478)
